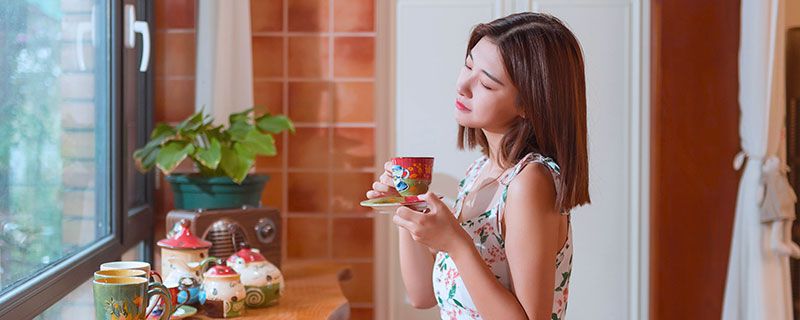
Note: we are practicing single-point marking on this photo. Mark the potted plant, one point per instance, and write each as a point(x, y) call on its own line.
point(222, 155)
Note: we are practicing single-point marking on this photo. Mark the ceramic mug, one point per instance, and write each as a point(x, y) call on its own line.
point(138, 265)
point(412, 175)
point(132, 265)
point(127, 298)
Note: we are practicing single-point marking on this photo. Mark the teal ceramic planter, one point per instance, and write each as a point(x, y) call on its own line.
point(194, 191)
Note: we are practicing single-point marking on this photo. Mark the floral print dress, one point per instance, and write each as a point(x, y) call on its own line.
point(451, 294)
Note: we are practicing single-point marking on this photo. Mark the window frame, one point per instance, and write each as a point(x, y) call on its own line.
point(129, 226)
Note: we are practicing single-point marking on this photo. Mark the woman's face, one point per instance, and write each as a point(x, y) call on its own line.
point(486, 97)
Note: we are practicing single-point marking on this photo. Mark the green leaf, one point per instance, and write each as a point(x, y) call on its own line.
point(274, 124)
point(145, 159)
point(191, 123)
point(139, 157)
point(259, 143)
point(172, 154)
point(239, 130)
point(458, 303)
point(161, 130)
point(240, 116)
point(236, 162)
point(211, 156)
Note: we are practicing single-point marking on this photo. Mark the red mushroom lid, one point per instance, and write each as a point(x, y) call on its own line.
point(181, 237)
point(247, 254)
point(220, 271)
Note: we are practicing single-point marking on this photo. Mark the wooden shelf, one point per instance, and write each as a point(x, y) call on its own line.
point(313, 291)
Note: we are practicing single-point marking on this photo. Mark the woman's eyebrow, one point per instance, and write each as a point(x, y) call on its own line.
point(485, 72)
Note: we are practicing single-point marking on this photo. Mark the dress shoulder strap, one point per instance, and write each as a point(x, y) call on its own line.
point(549, 163)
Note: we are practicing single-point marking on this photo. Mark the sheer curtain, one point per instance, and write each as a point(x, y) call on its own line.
point(758, 284)
point(224, 82)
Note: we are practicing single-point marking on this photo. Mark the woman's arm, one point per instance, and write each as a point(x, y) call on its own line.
point(416, 260)
point(532, 242)
point(416, 266)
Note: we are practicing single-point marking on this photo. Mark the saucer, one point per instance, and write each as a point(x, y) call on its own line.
point(182, 312)
point(388, 205)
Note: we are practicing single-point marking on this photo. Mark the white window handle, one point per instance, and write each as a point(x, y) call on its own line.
point(131, 28)
point(84, 27)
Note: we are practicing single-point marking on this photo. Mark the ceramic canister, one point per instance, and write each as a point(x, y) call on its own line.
point(262, 280)
point(182, 245)
point(223, 294)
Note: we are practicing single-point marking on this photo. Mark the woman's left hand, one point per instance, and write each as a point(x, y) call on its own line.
point(436, 228)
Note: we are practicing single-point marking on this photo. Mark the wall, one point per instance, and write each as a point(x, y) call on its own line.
point(312, 60)
point(695, 119)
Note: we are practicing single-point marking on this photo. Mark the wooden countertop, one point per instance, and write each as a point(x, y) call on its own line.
point(312, 291)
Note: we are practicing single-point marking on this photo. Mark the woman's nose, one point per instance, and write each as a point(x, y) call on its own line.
point(462, 88)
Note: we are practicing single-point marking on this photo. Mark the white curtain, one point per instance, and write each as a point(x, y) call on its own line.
point(224, 82)
point(758, 285)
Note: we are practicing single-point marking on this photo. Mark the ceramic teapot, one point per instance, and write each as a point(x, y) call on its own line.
point(223, 294)
point(188, 277)
point(262, 280)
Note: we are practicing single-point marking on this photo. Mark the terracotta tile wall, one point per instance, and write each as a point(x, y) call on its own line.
point(174, 68)
point(313, 60)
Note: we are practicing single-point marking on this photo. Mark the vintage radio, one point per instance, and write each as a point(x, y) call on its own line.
point(226, 229)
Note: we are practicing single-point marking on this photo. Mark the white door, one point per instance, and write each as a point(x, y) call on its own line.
point(427, 42)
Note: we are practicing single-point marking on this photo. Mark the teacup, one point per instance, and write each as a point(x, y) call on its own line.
point(411, 176)
point(132, 265)
point(128, 298)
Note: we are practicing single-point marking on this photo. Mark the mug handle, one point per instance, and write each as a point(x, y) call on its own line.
point(184, 288)
point(153, 274)
point(205, 264)
point(155, 288)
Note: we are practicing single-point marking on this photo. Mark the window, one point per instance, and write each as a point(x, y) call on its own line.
point(73, 107)
point(53, 173)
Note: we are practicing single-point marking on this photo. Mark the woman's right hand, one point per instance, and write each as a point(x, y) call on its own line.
point(384, 186)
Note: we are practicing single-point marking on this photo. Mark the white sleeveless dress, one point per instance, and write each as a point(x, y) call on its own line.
point(451, 294)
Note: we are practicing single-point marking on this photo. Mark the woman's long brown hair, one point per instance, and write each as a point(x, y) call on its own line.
point(545, 63)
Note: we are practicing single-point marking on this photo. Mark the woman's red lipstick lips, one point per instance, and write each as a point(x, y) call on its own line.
point(461, 106)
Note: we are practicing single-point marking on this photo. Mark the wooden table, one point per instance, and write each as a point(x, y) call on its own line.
point(312, 291)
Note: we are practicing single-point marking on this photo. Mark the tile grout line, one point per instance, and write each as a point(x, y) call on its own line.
point(285, 136)
point(332, 94)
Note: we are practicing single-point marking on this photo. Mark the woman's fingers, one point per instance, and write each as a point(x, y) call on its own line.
point(386, 179)
point(403, 223)
point(433, 201)
point(372, 194)
point(380, 187)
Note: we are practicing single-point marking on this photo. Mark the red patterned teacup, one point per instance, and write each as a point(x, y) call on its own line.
point(412, 175)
